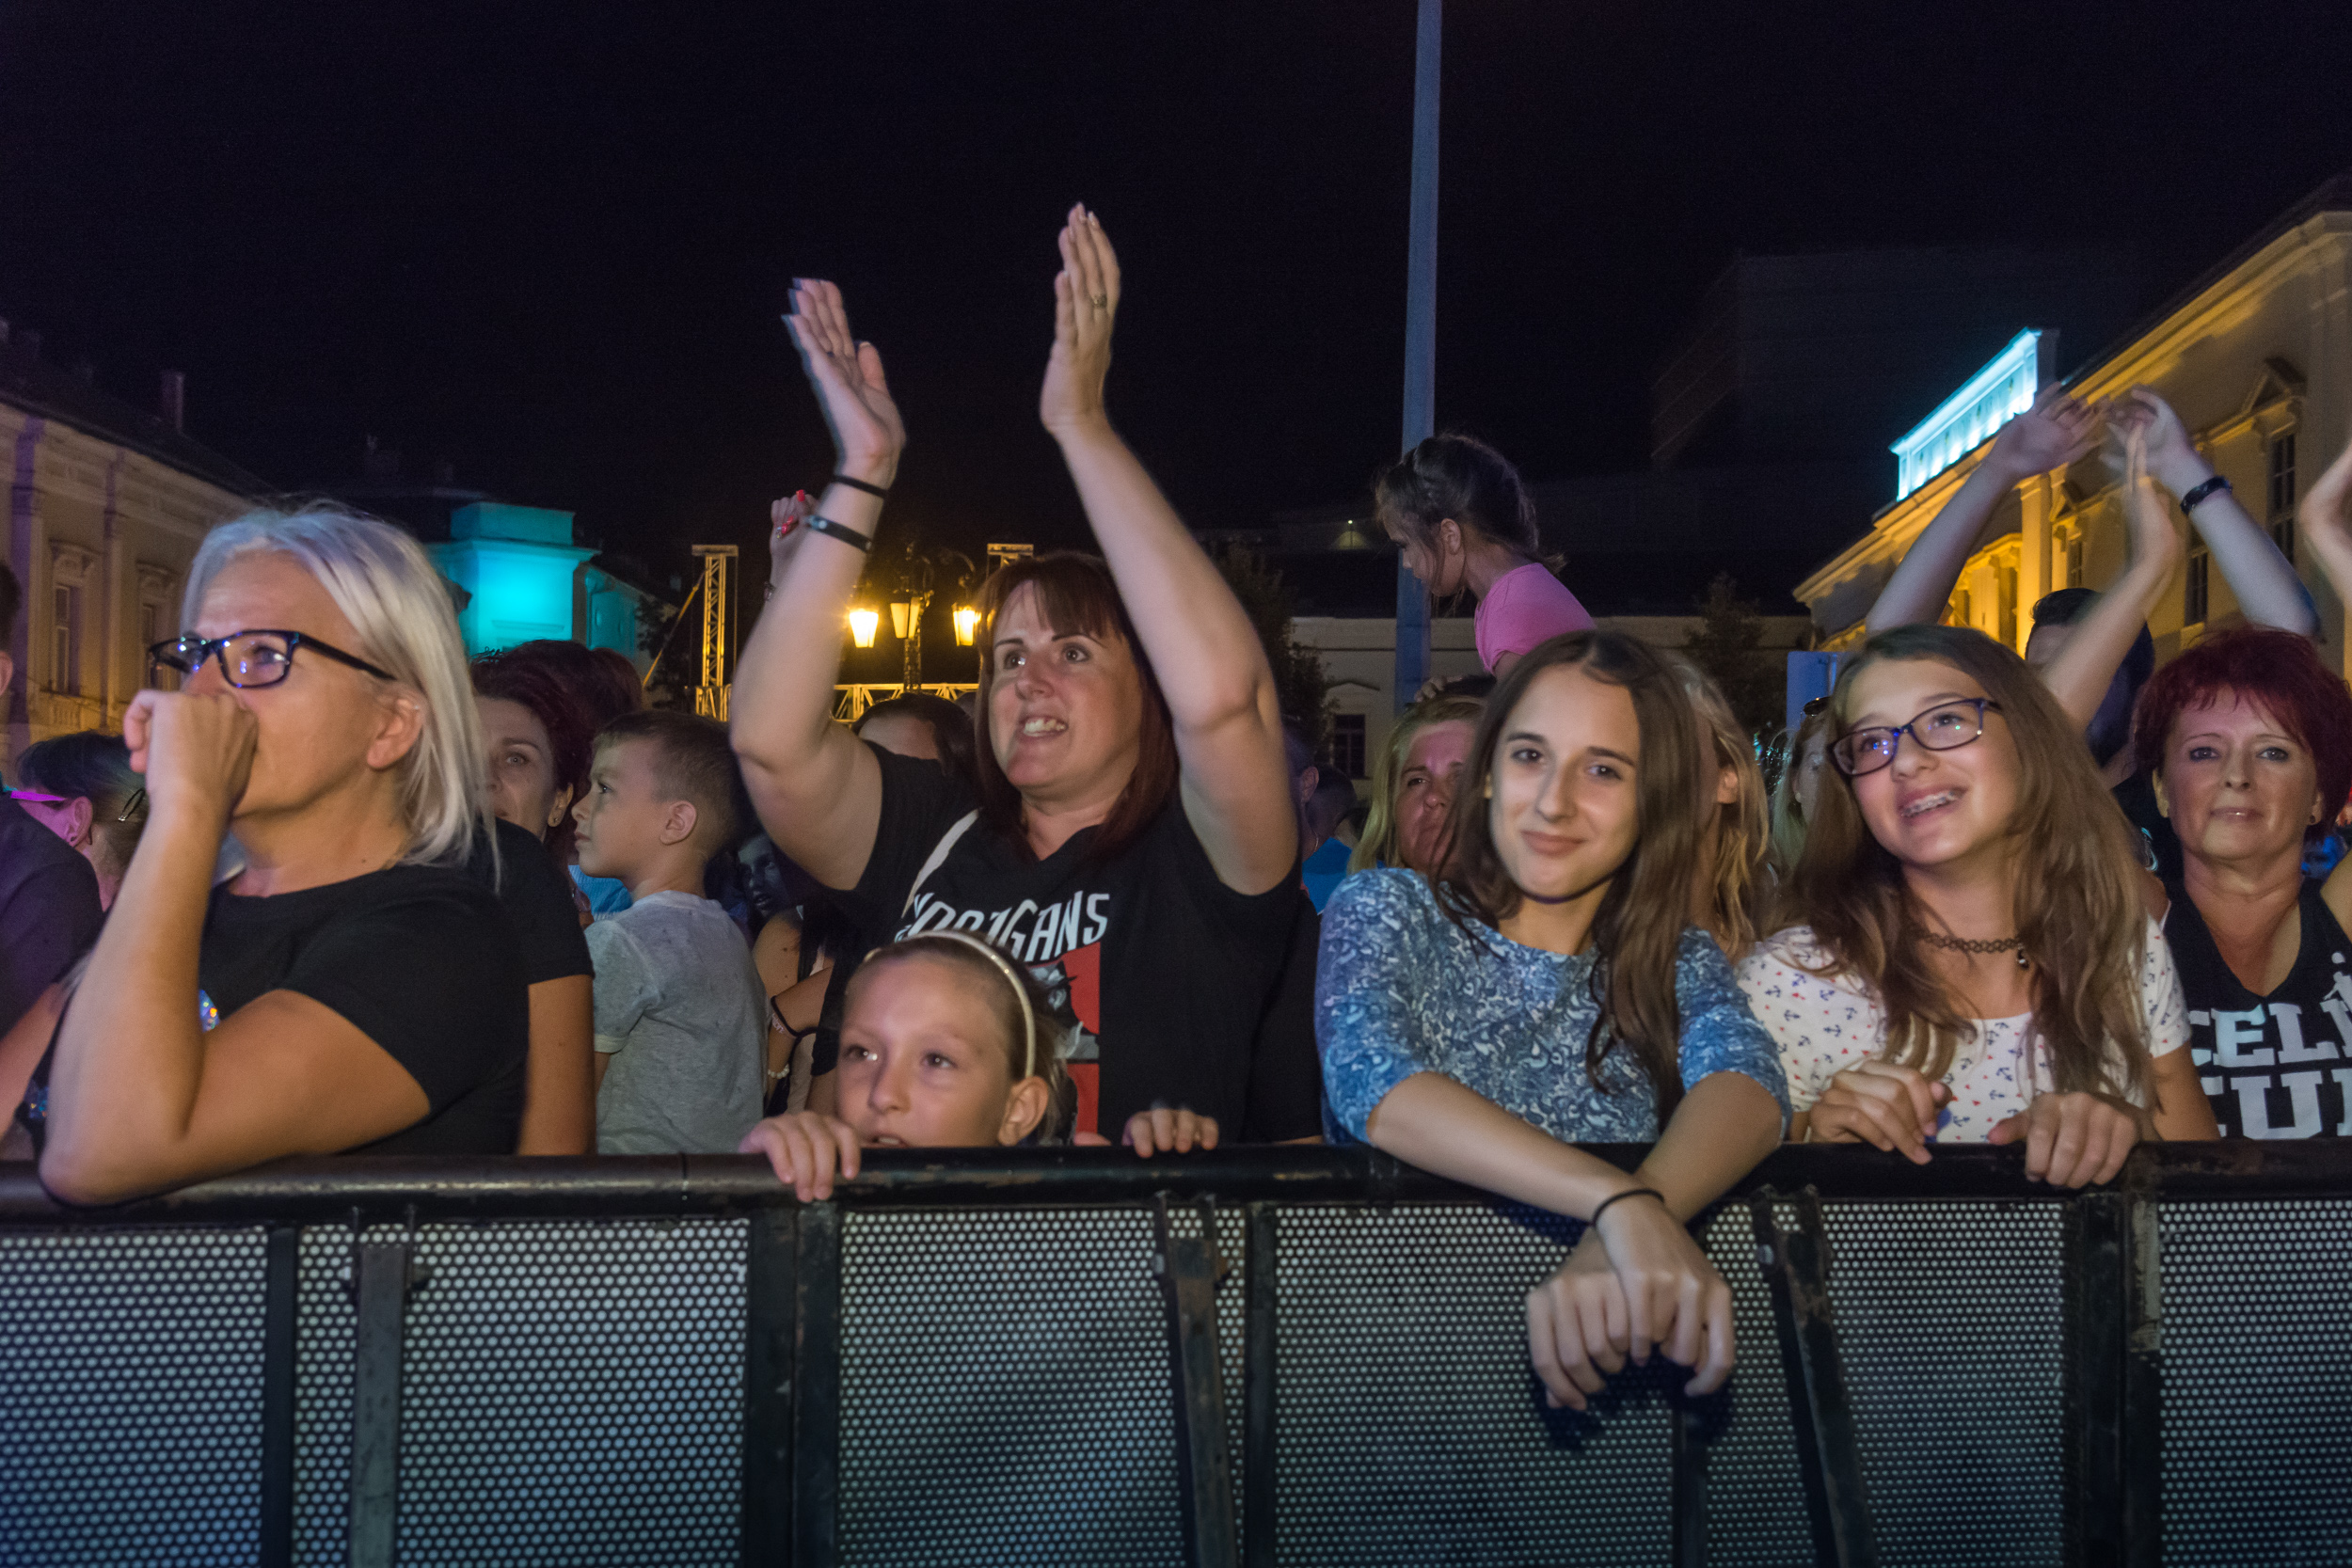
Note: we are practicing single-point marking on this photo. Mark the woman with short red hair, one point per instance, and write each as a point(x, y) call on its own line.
point(2248, 738)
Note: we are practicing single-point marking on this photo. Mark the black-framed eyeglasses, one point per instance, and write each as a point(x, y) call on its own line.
point(1945, 727)
point(256, 657)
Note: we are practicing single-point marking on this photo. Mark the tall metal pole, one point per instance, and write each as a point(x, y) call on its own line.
point(1420, 333)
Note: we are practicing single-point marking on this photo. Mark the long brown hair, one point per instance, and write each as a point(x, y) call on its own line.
point(2078, 905)
point(1076, 597)
point(1637, 933)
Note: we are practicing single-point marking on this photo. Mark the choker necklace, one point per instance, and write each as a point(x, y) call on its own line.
point(1976, 944)
point(1539, 898)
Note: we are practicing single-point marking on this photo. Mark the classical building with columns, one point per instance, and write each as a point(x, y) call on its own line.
point(2256, 357)
point(107, 504)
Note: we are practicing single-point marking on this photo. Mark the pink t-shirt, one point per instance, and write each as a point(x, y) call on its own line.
point(1526, 605)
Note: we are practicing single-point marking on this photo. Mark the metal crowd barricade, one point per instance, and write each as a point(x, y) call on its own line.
point(1295, 1356)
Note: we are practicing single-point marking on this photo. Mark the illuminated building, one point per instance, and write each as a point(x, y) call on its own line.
point(108, 506)
point(2256, 357)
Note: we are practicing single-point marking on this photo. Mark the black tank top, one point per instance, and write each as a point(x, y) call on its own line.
point(2276, 1066)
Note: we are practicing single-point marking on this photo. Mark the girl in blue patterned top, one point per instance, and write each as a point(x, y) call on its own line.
point(1550, 992)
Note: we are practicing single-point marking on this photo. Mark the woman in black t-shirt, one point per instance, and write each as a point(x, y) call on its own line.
point(2248, 738)
point(346, 988)
point(1132, 839)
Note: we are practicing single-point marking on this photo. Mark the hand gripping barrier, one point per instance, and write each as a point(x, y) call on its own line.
point(1295, 1356)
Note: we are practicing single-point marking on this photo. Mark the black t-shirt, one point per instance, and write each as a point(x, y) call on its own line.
point(48, 910)
point(420, 959)
point(2276, 1066)
point(537, 899)
point(2161, 845)
point(1164, 973)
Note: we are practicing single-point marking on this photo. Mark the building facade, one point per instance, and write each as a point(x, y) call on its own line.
point(2256, 358)
point(107, 505)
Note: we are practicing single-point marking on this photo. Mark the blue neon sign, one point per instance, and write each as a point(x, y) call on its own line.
point(1996, 394)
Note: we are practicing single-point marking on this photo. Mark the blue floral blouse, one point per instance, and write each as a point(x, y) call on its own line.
point(1399, 989)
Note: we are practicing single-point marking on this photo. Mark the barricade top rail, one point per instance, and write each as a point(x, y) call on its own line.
point(378, 1191)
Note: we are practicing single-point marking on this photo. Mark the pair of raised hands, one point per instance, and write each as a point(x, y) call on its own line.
point(809, 1150)
point(2061, 428)
point(2071, 1139)
point(845, 371)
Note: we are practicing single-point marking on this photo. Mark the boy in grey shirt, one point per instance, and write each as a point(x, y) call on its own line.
point(679, 1005)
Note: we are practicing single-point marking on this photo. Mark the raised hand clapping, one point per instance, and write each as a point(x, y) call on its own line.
point(2058, 429)
point(1085, 300)
point(868, 433)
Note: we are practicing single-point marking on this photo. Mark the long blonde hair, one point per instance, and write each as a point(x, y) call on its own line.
point(2078, 907)
point(388, 589)
point(1788, 823)
point(1742, 835)
point(1379, 845)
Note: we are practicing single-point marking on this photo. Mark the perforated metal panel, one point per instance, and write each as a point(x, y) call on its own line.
point(2257, 1382)
point(1948, 1320)
point(1411, 1429)
point(131, 1398)
point(1006, 1393)
point(572, 1394)
point(1756, 1517)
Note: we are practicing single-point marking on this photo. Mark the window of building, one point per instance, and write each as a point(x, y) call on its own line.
point(2005, 588)
point(1347, 743)
point(2073, 560)
point(2281, 470)
point(2193, 600)
point(65, 641)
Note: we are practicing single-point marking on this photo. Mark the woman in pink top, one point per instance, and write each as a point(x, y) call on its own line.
point(1457, 508)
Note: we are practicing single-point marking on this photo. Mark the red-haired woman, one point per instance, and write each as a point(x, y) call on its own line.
point(2248, 737)
point(1133, 839)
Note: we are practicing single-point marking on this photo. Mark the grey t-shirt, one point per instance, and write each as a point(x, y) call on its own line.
point(679, 1011)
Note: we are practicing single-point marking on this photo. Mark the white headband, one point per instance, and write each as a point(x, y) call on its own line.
point(1012, 979)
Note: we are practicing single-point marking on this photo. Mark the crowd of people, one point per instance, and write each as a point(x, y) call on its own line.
point(338, 890)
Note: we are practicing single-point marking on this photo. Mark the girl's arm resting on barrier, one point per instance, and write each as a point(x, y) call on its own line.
point(1668, 1287)
point(560, 1098)
point(816, 788)
point(1208, 660)
point(2055, 432)
point(2267, 586)
point(140, 1098)
point(1723, 1128)
point(2182, 1112)
point(2079, 676)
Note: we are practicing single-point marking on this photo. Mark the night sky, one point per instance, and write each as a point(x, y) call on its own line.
point(549, 242)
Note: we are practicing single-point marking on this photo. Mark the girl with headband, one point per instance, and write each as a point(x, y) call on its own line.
point(946, 1044)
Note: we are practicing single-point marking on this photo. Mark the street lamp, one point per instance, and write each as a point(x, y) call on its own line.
point(862, 623)
point(967, 625)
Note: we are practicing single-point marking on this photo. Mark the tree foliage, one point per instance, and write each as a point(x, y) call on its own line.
point(1729, 646)
point(1299, 681)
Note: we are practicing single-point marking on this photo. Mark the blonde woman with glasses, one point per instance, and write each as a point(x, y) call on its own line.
point(297, 963)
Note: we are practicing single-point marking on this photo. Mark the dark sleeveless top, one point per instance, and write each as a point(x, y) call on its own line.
point(2275, 1065)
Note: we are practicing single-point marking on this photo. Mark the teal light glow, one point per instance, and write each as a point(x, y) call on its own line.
point(519, 591)
point(2003, 389)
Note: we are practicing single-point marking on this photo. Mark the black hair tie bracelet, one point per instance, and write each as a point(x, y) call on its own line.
point(843, 532)
point(1620, 1197)
point(877, 491)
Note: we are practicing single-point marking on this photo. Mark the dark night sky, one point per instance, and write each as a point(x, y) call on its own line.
point(550, 241)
